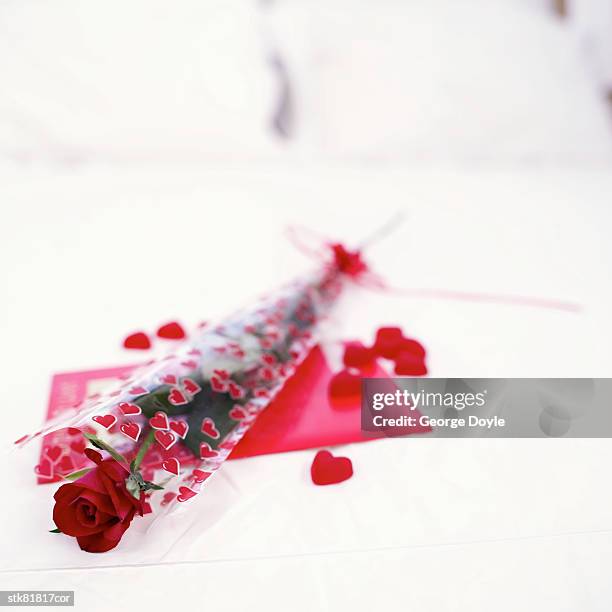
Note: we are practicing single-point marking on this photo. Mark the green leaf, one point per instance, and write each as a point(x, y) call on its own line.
point(151, 485)
point(54, 531)
point(106, 447)
point(133, 487)
point(76, 475)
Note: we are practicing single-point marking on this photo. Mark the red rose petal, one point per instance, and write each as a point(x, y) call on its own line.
point(327, 469)
point(171, 331)
point(138, 340)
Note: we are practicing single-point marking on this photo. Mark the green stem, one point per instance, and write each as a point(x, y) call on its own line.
point(142, 451)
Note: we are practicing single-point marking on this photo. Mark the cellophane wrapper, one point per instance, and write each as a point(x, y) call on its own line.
point(193, 406)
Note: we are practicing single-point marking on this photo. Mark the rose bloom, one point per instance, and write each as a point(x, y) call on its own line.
point(97, 508)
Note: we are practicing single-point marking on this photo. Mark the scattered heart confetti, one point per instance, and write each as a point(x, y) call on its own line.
point(180, 428)
point(138, 341)
point(208, 428)
point(166, 439)
point(327, 469)
point(159, 420)
point(171, 331)
point(344, 385)
point(356, 355)
point(106, 420)
point(185, 493)
point(130, 430)
point(206, 452)
point(408, 364)
point(172, 465)
point(129, 409)
point(388, 341)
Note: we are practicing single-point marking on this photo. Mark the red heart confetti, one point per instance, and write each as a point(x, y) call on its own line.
point(356, 355)
point(129, 409)
point(327, 469)
point(388, 342)
point(159, 420)
point(344, 385)
point(130, 430)
point(106, 420)
point(209, 428)
point(172, 465)
point(138, 340)
point(206, 452)
point(177, 398)
point(180, 428)
point(185, 493)
point(171, 331)
point(166, 439)
point(408, 364)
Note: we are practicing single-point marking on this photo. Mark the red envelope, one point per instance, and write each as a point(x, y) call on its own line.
point(300, 416)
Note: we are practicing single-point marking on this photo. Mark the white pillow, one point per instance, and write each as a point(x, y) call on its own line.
point(134, 79)
point(440, 80)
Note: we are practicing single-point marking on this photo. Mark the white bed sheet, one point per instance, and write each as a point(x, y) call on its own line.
point(439, 525)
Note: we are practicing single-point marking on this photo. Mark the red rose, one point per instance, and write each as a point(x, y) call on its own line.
point(97, 508)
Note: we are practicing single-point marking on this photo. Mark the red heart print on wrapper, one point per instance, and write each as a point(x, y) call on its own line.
point(192, 365)
point(206, 452)
point(218, 385)
point(159, 420)
point(190, 386)
point(129, 409)
point(209, 428)
point(185, 493)
point(180, 428)
point(327, 469)
point(168, 379)
point(130, 430)
point(105, 420)
point(137, 391)
point(199, 476)
point(177, 397)
point(236, 391)
point(237, 413)
point(171, 465)
point(166, 439)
